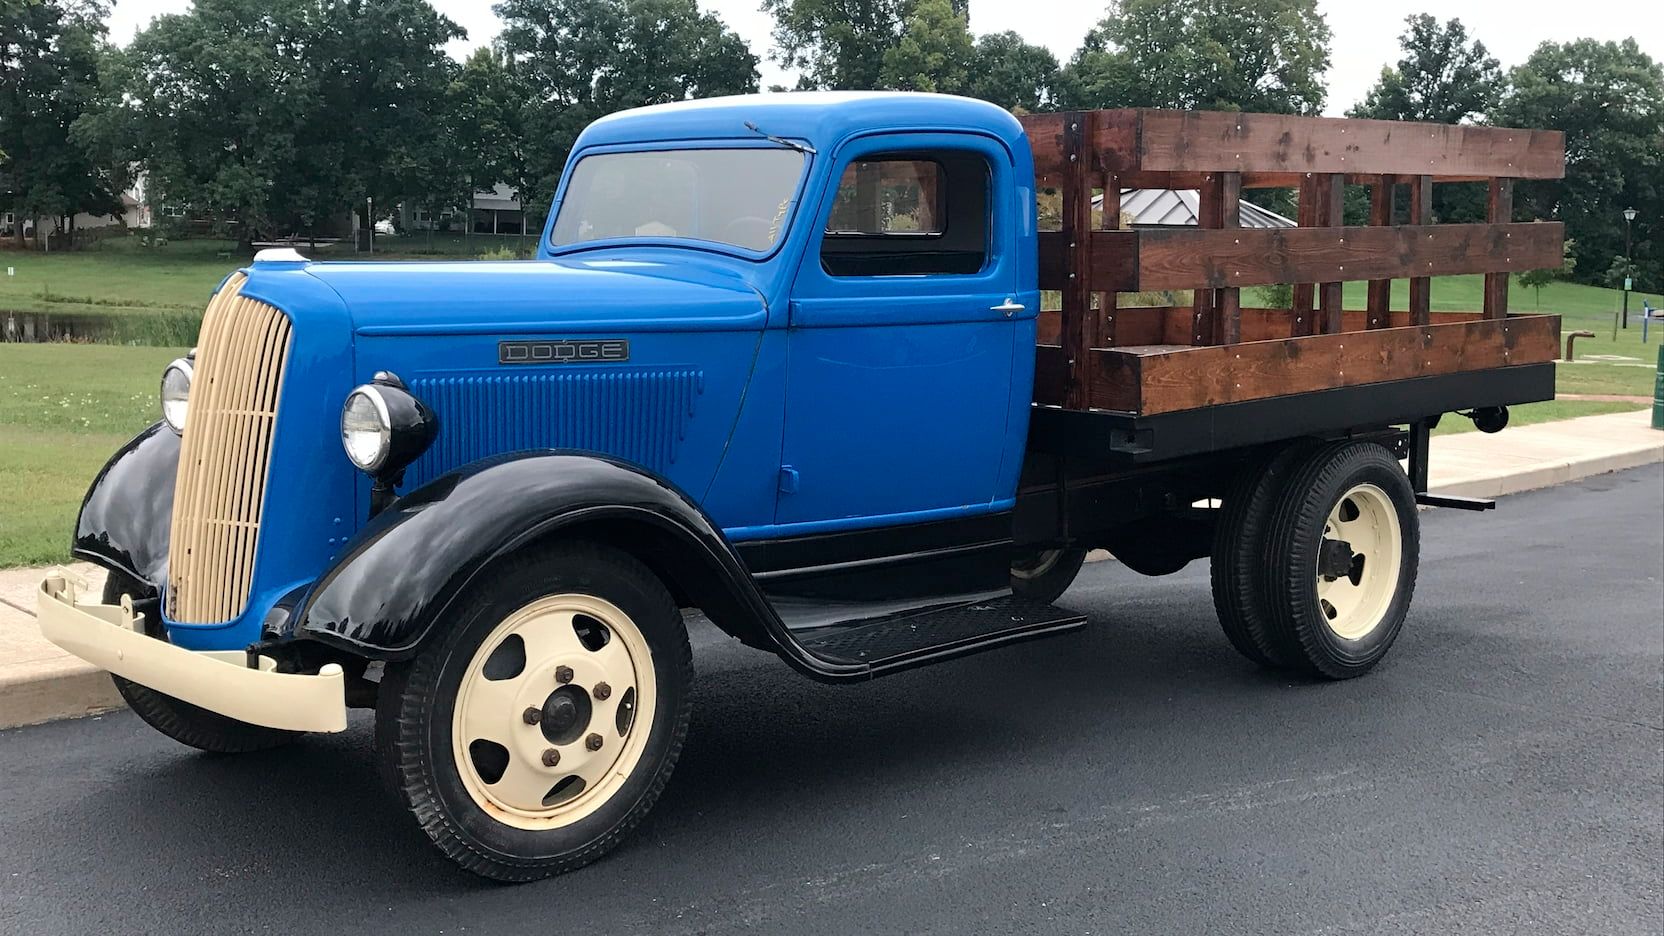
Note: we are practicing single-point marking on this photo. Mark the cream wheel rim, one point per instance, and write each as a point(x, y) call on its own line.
point(1358, 562)
point(554, 711)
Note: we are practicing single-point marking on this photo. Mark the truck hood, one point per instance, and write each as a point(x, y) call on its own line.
point(534, 296)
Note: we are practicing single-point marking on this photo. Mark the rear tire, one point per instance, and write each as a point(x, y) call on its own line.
point(588, 639)
point(188, 724)
point(1046, 575)
point(1341, 556)
point(1239, 554)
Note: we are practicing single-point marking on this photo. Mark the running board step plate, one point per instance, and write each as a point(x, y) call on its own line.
point(916, 638)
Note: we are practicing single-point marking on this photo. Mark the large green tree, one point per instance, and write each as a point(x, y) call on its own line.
point(934, 53)
point(50, 52)
point(1012, 73)
point(837, 44)
point(279, 115)
point(583, 59)
point(1250, 55)
point(1444, 77)
point(1608, 97)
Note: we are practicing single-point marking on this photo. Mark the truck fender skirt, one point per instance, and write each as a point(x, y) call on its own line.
point(127, 514)
point(393, 585)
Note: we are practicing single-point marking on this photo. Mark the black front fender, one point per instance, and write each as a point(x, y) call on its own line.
point(392, 586)
point(127, 515)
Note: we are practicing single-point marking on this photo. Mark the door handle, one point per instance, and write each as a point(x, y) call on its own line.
point(1010, 307)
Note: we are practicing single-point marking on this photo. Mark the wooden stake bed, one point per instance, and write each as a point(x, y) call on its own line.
point(1146, 361)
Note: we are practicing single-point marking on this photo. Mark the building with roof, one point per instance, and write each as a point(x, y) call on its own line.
point(1180, 207)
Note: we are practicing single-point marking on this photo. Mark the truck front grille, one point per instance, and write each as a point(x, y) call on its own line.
point(220, 494)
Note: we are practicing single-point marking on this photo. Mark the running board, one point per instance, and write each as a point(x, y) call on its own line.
point(920, 637)
point(1457, 503)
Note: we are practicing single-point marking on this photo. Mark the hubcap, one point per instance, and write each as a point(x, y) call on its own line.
point(537, 745)
point(1358, 562)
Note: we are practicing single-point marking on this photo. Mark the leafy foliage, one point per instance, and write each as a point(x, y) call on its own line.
point(49, 54)
point(1535, 280)
point(1250, 55)
point(1608, 97)
point(1443, 77)
point(934, 52)
point(837, 44)
point(583, 59)
point(1012, 73)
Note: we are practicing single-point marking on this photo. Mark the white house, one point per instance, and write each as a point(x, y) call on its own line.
point(496, 211)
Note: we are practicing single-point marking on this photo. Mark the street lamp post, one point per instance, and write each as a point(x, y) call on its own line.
point(1629, 219)
point(370, 220)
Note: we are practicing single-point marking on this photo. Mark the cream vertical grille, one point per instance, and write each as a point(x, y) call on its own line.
point(223, 458)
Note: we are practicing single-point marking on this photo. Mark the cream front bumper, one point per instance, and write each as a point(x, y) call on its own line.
point(112, 637)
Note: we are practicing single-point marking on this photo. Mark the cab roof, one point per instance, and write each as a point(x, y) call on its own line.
point(822, 118)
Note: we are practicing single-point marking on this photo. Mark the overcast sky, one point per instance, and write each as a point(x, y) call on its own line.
point(1365, 31)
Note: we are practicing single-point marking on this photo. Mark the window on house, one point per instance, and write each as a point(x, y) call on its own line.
point(908, 214)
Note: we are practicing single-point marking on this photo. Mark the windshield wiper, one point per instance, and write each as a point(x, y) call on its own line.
point(789, 144)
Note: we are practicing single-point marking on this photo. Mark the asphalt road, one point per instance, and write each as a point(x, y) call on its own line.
point(1502, 771)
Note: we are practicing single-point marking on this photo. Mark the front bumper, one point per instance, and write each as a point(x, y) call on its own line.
point(112, 637)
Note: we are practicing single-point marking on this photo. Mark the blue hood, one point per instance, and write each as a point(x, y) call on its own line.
point(529, 296)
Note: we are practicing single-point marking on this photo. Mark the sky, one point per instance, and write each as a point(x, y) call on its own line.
point(1365, 31)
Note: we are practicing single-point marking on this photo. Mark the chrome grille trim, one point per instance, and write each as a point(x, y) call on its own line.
point(219, 497)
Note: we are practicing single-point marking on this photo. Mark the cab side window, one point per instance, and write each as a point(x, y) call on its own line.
point(909, 214)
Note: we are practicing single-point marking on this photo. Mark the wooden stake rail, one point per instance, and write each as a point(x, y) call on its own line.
point(1096, 355)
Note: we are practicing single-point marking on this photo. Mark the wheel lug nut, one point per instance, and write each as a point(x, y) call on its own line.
point(563, 674)
point(551, 757)
point(532, 715)
point(602, 691)
point(593, 742)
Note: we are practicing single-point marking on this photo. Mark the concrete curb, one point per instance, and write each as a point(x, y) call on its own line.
point(38, 683)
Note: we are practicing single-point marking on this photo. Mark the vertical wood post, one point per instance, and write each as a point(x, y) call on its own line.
point(1379, 314)
point(1499, 210)
point(1332, 207)
point(1307, 216)
point(1209, 213)
point(1105, 337)
point(1228, 300)
point(1077, 233)
point(1421, 212)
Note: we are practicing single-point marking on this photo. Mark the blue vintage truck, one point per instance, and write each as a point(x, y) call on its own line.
point(853, 375)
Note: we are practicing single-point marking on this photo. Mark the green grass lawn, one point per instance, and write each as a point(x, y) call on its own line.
point(63, 410)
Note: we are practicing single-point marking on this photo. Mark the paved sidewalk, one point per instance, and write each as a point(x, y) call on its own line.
point(39, 682)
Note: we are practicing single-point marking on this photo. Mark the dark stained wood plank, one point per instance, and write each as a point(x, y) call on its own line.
point(1228, 299)
point(1162, 380)
point(1421, 213)
point(1499, 210)
point(1210, 214)
point(1051, 373)
point(1186, 259)
point(1077, 233)
point(1180, 141)
point(1380, 215)
point(1105, 336)
point(1114, 260)
point(1304, 304)
point(1332, 208)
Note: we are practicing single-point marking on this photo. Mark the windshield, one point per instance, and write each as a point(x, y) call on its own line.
point(740, 197)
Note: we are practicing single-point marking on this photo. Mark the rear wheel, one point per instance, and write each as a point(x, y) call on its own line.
point(183, 722)
point(1047, 574)
point(538, 730)
point(1342, 550)
point(1239, 555)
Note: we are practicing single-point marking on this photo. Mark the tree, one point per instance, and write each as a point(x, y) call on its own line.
point(584, 59)
point(1608, 97)
point(1535, 280)
point(1442, 78)
point(1251, 55)
point(838, 44)
point(934, 53)
point(1013, 74)
point(483, 129)
point(50, 54)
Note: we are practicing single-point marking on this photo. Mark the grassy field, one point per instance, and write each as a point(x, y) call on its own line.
point(63, 410)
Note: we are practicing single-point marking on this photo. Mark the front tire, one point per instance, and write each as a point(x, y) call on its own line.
point(1342, 552)
point(543, 724)
point(188, 724)
point(1044, 576)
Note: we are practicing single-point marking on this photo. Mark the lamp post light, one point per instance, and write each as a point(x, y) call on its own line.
point(1629, 219)
point(370, 220)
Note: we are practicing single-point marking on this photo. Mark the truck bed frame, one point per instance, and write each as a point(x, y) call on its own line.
point(1139, 383)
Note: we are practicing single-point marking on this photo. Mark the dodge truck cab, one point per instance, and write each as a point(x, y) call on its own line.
point(780, 360)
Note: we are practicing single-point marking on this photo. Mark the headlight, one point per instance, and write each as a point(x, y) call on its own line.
point(176, 393)
point(384, 428)
point(366, 428)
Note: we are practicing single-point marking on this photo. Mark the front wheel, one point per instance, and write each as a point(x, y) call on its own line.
point(188, 724)
point(1044, 576)
point(530, 737)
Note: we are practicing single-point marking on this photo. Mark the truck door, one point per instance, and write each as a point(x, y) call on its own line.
point(902, 344)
